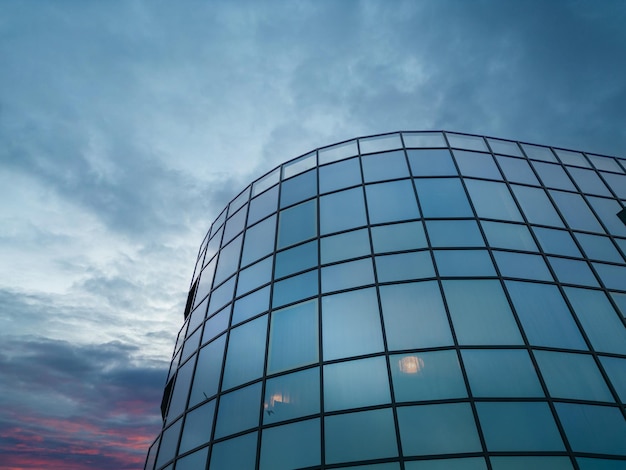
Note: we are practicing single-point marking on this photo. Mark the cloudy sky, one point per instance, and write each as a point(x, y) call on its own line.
point(125, 127)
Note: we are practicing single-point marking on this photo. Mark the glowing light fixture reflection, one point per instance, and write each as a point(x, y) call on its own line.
point(411, 364)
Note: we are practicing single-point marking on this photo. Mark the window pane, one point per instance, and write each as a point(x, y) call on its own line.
point(492, 200)
point(519, 427)
point(390, 202)
point(607, 210)
point(349, 436)
point(544, 315)
point(480, 312)
point(613, 277)
point(239, 452)
point(297, 224)
point(464, 263)
point(558, 242)
point(208, 371)
point(246, 352)
point(300, 165)
point(216, 325)
point(398, 237)
point(526, 462)
point(616, 370)
point(266, 182)
point(342, 210)
point(234, 225)
point(439, 422)
point(293, 337)
point(414, 316)
point(259, 241)
point(570, 271)
point(345, 246)
point(238, 410)
point(346, 275)
point(384, 166)
point(169, 441)
point(295, 288)
point(298, 189)
point(180, 392)
point(589, 182)
point(380, 143)
point(355, 384)
point(501, 373)
point(340, 175)
point(571, 158)
point(338, 152)
point(296, 259)
point(470, 463)
point(539, 153)
point(617, 184)
point(228, 260)
point(404, 266)
point(351, 324)
point(600, 464)
point(573, 376)
point(522, 265)
point(536, 206)
point(255, 276)
point(443, 197)
point(512, 236)
point(431, 162)
point(432, 375)
point(470, 142)
point(480, 165)
point(193, 461)
point(292, 396)
point(600, 248)
point(553, 176)
point(454, 233)
point(424, 139)
point(504, 147)
point(222, 295)
point(263, 205)
point(198, 427)
point(575, 211)
point(517, 170)
point(595, 429)
point(291, 446)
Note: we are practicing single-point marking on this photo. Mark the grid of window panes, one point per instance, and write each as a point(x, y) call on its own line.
point(415, 300)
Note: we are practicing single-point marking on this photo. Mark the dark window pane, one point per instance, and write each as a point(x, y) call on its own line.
point(208, 371)
point(527, 462)
point(238, 410)
point(298, 188)
point(558, 242)
point(571, 271)
point(291, 446)
point(454, 233)
point(198, 426)
point(292, 396)
point(246, 350)
point(463, 263)
point(239, 452)
point(522, 265)
point(297, 224)
point(296, 259)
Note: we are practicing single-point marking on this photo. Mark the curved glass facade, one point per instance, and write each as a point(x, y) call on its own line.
point(413, 300)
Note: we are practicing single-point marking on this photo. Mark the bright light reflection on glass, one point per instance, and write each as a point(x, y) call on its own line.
point(411, 364)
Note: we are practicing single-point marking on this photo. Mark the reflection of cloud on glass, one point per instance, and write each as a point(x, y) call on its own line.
point(411, 364)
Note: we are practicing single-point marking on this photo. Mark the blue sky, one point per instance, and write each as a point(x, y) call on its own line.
point(126, 126)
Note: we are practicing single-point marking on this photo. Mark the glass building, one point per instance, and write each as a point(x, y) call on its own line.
point(414, 301)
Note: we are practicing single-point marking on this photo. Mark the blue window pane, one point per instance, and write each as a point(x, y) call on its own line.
point(404, 266)
point(599, 320)
point(228, 260)
point(522, 265)
point(291, 446)
point(570, 271)
point(519, 427)
point(544, 315)
point(613, 277)
point(259, 241)
point(263, 205)
point(553, 176)
point(380, 143)
point(342, 210)
point(517, 170)
point(589, 182)
point(216, 325)
point(198, 427)
point(255, 276)
point(193, 461)
point(295, 288)
point(439, 422)
point(191, 344)
point(512, 236)
point(573, 376)
point(340, 175)
point(346, 275)
point(398, 237)
point(492, 200)
point(527, 462)
point(206, 280)
point(617, 184)
point(558, 242)
point(576, 211)
point(480, 312)
point(501, 373)
point(469, 142)
point(600, 248)
point(432, 375)
point(454, 233)
point(292, 396)
point(338, 152)
point(480, 165)
point(464, 263)
point(293, 337)
point(296, 259)
point(600, 464)
point(620, 301)
point(178, 401)
point(221, 296)
point(470, 463)
point(536, 206)
point(505, 147)
point(300, 165)
point(349, 437)
point(539, 153)
point(376, 466)
point(239, 452)
point(351, 324)
point(594, 429)
point(246, 350)
point(298, 189)
point(169, 441)
point(238, 410)
point(208, 371)
point(355, 384)
point(384, 166)
point(251, 305)
point(605, 163)
point(345, 246)
point(414, 316)
point(607, 210)
point(443, 197)
point(431, 162)
point(234, 225)
point(298, 223)
point(390, 202)
point(616, 370)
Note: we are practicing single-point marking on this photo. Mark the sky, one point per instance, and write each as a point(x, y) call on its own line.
point(126, 126)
